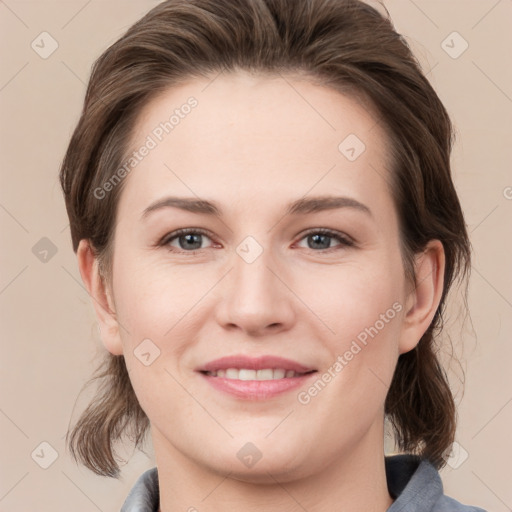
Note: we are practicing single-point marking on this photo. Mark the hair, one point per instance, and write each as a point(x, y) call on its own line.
point(343, 44)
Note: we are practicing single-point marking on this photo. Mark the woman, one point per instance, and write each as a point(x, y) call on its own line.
point(261, 203)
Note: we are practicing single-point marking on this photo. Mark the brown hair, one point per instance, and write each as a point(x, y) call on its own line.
point(344, 44)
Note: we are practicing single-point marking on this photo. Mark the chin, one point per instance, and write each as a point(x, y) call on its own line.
point(263, 462)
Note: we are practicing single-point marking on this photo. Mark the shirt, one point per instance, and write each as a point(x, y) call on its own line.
point(414, 484)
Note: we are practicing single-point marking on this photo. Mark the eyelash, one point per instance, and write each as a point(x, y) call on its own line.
point(344, 240)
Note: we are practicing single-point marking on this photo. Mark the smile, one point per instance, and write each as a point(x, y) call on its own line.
point(249, 374)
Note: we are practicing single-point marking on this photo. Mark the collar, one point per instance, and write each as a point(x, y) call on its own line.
point(413, 483)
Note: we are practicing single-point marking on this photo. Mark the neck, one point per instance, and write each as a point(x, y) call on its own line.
point(354, 480)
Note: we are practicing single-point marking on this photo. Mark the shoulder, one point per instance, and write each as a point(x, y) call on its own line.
point(144, 495)
point(416, 485)
point(447, 504)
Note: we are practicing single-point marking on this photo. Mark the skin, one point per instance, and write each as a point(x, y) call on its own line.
point(254, 144)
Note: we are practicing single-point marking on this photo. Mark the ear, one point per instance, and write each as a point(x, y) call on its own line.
point(101, 297)
point(423, 301)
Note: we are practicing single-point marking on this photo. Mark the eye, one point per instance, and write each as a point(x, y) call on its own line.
point(320, 240)
point(185, 240)
point(191, 240)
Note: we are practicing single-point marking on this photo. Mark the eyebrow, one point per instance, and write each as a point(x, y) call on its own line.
point(301, 206)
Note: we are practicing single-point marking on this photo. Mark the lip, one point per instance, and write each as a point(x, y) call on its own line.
point(254, 363)
point(255, 389)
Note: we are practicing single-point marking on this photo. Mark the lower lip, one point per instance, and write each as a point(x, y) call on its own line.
point(257, 389)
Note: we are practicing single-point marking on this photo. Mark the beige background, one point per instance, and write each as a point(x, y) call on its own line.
point(49, 338)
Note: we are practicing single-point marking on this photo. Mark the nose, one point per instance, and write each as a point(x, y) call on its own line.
point(256, 296)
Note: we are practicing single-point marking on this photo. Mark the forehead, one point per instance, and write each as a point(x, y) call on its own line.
point(263, 134)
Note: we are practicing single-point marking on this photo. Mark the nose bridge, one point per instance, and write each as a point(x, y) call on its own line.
point(255, 298)
point(252, 274)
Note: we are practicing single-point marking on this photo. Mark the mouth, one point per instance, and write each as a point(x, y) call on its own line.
point(258, 375)
point(255, 378)
point(263, 364)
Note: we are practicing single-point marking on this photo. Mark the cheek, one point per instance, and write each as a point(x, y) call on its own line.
point(363, 309)
point(156, 307)
point(155, 302)
point(354, 298)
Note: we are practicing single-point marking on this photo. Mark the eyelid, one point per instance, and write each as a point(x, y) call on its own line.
point(331, 232)
point(343, 238)
point(168, 237)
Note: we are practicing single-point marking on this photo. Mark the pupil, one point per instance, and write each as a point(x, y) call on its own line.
point(189, 238)
point(318, 237)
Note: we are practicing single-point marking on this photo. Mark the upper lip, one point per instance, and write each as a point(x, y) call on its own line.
point(254, 363)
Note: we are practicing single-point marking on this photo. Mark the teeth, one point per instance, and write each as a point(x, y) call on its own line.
point(264, 374)
point(245, 374)
point(231, 373)
point(279, 374)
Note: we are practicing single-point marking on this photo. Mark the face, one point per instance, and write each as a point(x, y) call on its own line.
point(269, 267)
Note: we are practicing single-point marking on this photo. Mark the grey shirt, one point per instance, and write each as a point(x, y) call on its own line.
point(413, 483)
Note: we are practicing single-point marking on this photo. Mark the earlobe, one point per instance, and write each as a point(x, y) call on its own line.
point(100, 296)
point(424, 299)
